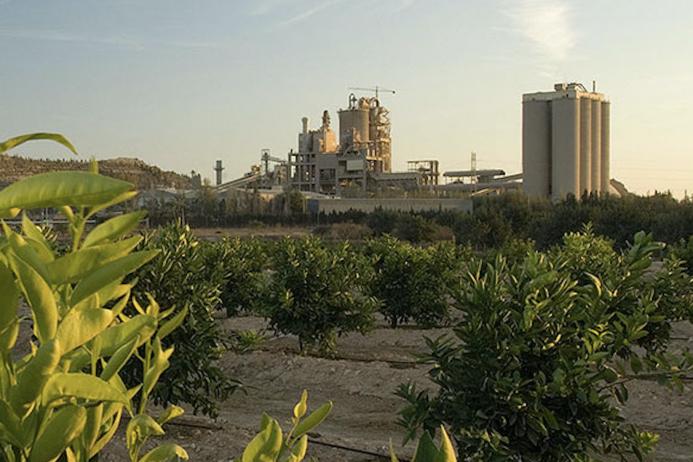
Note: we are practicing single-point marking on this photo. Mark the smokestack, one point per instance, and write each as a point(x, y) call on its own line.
point(305, 125)
point(218, 169)
point(594, 86)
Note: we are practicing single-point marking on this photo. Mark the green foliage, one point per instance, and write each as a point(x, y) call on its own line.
point(427, 451)
point(245, 341)
point(183, 278)
point(545, 355)
point(62, 396)
point(683, 250)
point(243, 263)
point(272, 445)
point(318, 293)
point(411, 282)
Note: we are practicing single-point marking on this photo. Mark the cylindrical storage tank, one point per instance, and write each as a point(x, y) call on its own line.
point(356, 119)
point(565, 141)
point(606, 146)
point(585, 145)
point(536, 148)
point(596, 174)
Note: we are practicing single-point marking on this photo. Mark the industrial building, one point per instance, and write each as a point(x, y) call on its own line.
point(360, 158)
point(565, 142)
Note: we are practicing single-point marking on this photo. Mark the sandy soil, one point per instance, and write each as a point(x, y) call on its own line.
point(361, 382)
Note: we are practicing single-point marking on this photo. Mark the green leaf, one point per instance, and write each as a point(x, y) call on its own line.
point(113, 229)
point(79, 385)
point(11, 423)
point(9, 301)
point(61, 429)
point(109, 273)
point(298, 452)
point(107, 436)
point(76, 265)
point(40, 298)
point(31, 379)
point(393, 456)
point(172, 324)
point(302, 406)
point(447, 451)
point(170, 413)
point(140, 428)
point(165, 453)
point(313, 420)
point(57, 189)
point(80, 326)
point(118, 360)
point(37, 239)
point(426, 450)
point(266, 445)
point(17, 140)
point(139, 328)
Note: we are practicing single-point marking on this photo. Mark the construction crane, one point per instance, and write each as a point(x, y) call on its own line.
point(375, 90)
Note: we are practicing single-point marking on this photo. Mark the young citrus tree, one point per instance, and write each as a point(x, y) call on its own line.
point(185, 278)
point(543, 359)
point(61, 395)
point(318, 293)
point(411, 281)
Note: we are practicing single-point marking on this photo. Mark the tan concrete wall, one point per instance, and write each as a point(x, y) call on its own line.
point(606, 146)
point(536, 148)
point(596, 162)
point(565, 143)
point(585, 145)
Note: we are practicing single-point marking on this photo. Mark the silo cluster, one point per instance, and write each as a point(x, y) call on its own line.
point(565, 142)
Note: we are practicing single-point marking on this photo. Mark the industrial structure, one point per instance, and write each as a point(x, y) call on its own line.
point(565, 142)
point(362, 154)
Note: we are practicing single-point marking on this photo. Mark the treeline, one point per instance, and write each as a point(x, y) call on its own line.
point(495, 222)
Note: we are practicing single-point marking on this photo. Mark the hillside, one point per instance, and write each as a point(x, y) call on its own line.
point(143, 175)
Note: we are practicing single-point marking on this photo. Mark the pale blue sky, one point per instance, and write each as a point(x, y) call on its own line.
point(182, 83)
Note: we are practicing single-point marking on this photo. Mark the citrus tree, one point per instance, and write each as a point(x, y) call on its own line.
point(318, 293)
point(543, 359)
point(411, 282)
point(61, 394)
point(185, 278)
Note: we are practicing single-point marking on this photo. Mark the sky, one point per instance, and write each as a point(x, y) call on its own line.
point(183, 83)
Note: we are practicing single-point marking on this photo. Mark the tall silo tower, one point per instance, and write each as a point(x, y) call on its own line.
point(565, 142)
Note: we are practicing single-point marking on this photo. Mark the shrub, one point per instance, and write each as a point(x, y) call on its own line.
point(182, 278)
point(63, 398)
point(683, 250)
point(414, 228)
point(541, 361)
point(317, 293)
point(411, 282)
point(241, 264)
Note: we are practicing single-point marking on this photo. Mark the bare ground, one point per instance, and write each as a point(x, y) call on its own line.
point(361, 382)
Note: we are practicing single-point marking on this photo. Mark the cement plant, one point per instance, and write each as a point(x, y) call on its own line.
point(565, 151)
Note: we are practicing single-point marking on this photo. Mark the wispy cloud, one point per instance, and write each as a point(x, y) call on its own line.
point(547, 25)
point(308, 12)
point(48, 35)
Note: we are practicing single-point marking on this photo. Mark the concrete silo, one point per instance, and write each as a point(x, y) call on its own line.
point(606, 146)
point(565, 147)
point(596, 164)
point(354, 123)
point(565, 142)
point(536, 147)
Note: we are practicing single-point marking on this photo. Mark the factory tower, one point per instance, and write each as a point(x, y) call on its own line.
point(565, 142)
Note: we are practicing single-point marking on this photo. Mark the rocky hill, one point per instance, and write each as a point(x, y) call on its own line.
point(141, 174)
